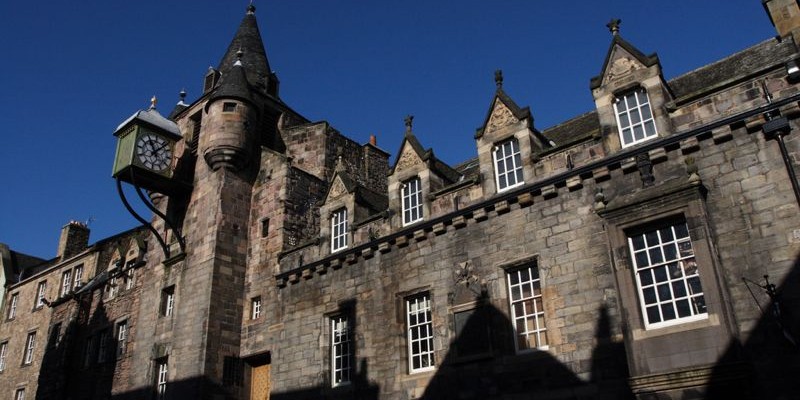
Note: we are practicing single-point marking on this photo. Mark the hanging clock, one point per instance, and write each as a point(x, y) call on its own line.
point(146, 152)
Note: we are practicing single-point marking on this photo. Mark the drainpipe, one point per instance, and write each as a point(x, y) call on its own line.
point(776, 128)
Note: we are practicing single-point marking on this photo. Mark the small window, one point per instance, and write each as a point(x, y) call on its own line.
point(634, 117)
point(411, 194)
point(129, 275)
point(12, 306)
point(55, 334)
point(339, 230)
point(167, 301)
point(527, 308)
point(507, 165)
point(232, 371)
point(102, 347)
point(228, 107)
point(41, 291)
point(3, 352)
point(19, 394)
point(78, 276)
point(88, 352)
point(667, 276)
point(194, 140)
point(111, 288)
point(420, 333)
point(162, 368)
point(66, 282)
point(255, 307)
point(264, 227)
point(341, 355)
point(30, 346)
point(122, 337)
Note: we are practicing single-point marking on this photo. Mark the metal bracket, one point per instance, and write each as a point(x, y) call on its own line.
point(151, 207)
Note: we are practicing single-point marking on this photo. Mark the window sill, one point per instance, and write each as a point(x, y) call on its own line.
point(710, 321)
point(419, 374)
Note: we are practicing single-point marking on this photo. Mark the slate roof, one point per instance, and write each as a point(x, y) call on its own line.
point(152, 117)
point(232, 85)
point(374, 201)
point(254, 57)
point(733, 68)
point(577, 128)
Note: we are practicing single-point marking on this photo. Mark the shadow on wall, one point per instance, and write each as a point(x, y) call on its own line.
point(482, 364)
point(771, 353)
point(499, 372)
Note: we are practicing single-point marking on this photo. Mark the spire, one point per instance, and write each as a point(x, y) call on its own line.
point(247, 41)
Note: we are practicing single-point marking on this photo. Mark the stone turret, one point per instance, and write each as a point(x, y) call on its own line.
point(231, 115)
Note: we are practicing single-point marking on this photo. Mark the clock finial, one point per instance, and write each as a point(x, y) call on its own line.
point(153, 102)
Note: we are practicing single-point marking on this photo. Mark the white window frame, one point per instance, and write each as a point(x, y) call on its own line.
point(168, 301)
point(162, 370)
point(130, 275)
point(411, 199)
point(66, 282)
point(30, 347)
point(19, 394)
point(527, 308)
point(339, 230)
point(122, 337)
point(78, 277)
point(255, 307)
point(667, 275)
point(507, 155)
point(111, 288)
point(635, 118)
point(12, 306)
point(341, 354)
point(3, 353)
point(419, 333)
point(41, 290)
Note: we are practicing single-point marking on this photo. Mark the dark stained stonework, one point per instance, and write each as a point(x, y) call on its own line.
point(248, 311)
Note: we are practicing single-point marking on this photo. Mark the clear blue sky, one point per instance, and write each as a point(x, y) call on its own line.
point(71, 71)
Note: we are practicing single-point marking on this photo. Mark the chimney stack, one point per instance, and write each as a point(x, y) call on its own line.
point(785, 16)
point(74, 239)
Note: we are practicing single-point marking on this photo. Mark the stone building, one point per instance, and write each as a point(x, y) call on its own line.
point(619, 254)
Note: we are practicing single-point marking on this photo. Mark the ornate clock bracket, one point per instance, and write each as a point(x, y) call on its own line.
point(170, 224)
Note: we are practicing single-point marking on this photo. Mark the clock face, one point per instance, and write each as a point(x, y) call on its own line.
point(154, 152)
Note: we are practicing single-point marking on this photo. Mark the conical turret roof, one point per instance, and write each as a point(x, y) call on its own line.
point(254, 58)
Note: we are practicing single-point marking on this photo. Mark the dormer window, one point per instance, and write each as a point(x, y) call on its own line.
point(411, 193)
point(507, 165)
point(339, 230)
point(634, 117)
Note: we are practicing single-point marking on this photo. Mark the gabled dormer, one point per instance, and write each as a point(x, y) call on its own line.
point(506, 143)
point(346, 204)
point(630, 94)
point(416, 175)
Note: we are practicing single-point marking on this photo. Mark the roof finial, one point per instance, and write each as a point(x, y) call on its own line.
point(251, 9)
point(498, 78)
point(153, 102)
point(613, 26)
point(409, 119)
point(182, 94)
